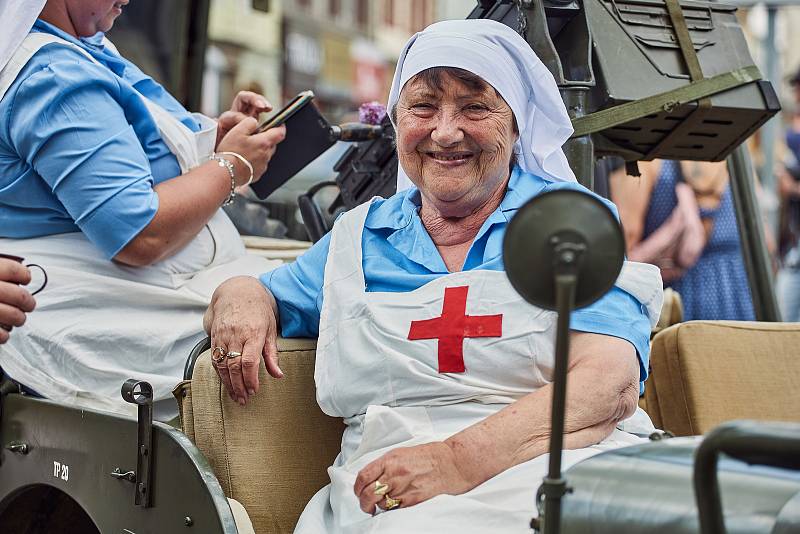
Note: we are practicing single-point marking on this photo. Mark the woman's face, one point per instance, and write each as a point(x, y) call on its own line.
point(91, 16)
point(455, 144)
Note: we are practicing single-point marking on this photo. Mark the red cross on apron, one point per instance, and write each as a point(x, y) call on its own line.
point(453, 326)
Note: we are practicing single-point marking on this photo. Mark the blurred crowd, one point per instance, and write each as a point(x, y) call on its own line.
point(788, 279)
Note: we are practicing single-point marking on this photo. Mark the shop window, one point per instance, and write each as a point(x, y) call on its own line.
point(261, 5)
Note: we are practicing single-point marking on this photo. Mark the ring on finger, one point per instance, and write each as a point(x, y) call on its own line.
point(233, 354)
point(381, 489)
point(218, 354)
point(391, 504)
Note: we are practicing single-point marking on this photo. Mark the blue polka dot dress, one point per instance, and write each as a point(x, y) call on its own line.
point(716, 287)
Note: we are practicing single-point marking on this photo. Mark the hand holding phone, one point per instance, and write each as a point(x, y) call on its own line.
point(294, 105)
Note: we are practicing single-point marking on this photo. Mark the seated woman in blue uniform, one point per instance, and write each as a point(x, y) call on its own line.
point(441, 371)
point(115, 189)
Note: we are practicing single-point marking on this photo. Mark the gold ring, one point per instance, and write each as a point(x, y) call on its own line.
point(233, 354)
point(218, 354)
point(391, 504)
point(381, 488)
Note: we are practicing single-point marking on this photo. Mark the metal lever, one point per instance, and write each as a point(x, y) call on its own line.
point(141, 393)
point(130, 476)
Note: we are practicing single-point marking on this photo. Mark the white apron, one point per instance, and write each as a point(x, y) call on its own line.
point(98, 323)
point(395, 391)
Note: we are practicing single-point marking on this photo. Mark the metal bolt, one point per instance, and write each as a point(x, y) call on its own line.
point(142, 488)
point(19, 448)
point(188, 521)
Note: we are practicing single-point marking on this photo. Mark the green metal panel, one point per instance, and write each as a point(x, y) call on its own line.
point(76, 451)
point(641, 32)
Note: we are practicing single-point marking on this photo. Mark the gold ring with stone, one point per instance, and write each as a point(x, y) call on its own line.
point(233, 354)
point(381, 488)
point(391, 504)
point(218, 354)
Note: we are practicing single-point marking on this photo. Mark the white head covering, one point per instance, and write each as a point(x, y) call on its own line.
point(18, 17)
point(502, 58)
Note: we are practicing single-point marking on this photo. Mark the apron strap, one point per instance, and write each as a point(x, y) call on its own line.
point(189, 148)
point(30, 45)
point(345, 254)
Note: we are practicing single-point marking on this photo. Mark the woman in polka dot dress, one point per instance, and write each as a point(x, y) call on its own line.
point(680, 216)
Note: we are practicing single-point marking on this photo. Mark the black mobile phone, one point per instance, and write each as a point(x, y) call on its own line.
point(294, 105)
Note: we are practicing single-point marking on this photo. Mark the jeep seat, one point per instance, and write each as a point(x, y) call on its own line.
point(704, 373)
point(271, 455)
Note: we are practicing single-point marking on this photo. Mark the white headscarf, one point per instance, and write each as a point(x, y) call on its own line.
point(503, 59)
point(18, 17)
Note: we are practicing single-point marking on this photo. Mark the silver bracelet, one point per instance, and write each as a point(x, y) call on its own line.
point(243, 160)
point(223, 162)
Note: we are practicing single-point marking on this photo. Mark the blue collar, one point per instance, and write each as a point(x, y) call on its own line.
point(94, 45)
point(399, 215)
point(398, 211)
point(95, 42)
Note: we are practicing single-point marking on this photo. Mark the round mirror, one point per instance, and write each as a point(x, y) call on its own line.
point(563, 218)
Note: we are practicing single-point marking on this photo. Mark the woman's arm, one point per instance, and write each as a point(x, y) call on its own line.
point(187, 202)
point(603, 389)
point(246, 312)
point(243, 317)
point(631, 194)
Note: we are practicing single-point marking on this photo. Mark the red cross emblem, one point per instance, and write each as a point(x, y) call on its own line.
point(453, 326)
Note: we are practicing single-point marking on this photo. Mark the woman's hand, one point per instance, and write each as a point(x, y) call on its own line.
point(15, 301)
point(245, 104)
point(257, 148)
point(243, 326)
point(413, 474)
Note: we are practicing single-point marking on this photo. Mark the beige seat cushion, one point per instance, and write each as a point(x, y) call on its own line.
point(706, 372)
point(671, 311)
point(272, 454)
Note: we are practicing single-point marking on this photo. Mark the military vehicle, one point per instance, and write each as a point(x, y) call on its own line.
point(641, 79)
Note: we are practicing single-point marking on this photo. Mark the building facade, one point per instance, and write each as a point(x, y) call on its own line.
point(344, 50)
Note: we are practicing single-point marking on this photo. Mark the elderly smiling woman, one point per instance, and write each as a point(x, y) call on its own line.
point(441, 371)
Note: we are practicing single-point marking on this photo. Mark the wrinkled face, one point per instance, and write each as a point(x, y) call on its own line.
point(454, 142)
point(92, 16)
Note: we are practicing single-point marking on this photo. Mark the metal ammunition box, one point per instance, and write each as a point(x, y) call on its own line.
point(636, 55)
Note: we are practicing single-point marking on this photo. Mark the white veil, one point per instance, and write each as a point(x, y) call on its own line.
point(18, 17)
point(502, 58)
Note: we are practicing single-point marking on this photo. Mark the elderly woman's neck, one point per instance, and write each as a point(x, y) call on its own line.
point(453, 235)
point(55, 13)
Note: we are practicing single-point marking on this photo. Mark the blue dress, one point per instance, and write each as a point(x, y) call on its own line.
point(716, 287)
